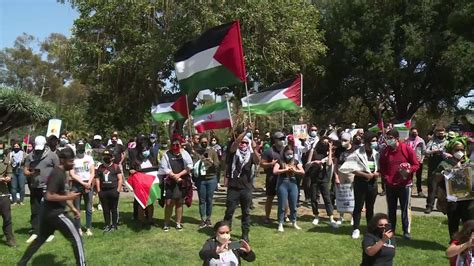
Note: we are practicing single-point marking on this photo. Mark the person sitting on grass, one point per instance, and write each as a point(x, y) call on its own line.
point(459, 251)
point(222, 250)
point(378, 245)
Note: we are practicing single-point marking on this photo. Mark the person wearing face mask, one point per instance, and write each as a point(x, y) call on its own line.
point(378, 246)
point(269, 158)
point(206, 179)
point(141, 160)
point(82, 176)
point(239, 180)
point(217, 251)
point(435, 150)
point(38, 166)
point(17, 160)
point(109, 180)
point(287, 171)
point(176, 166)
point(397, 164)
point(418, 145)
point(217, 147)
point(63, 142)
point(320, 168)
point(155, 146)
point(457, 211)
point(364, 165)
point(5, 204)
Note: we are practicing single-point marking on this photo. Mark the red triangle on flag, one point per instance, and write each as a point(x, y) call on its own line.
point(293, 92)
point(181, 106)
point(230, 53)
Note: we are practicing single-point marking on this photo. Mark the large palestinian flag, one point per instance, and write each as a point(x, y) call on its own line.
point(173, 107)
point(146, 187)
point(285, 96)
point(215, 59)
point(212, 117)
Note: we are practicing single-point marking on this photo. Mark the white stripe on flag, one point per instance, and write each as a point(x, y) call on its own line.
point(264, 97)
point(201, 61)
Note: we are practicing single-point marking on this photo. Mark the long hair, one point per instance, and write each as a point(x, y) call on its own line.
point(373, 223)
point(465, 234)
point(288, 148)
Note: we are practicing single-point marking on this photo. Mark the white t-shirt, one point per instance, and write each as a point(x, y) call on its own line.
point(225, 258)
point(82, 167)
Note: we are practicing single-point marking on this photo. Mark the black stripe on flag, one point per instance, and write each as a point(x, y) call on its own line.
point(211, 38)
point(283, 85)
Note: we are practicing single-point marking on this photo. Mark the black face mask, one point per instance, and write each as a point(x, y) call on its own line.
point(204, 145)
point(357, 142)
point(114, 142)
point(440, 137)
point(413, 135)
point(107, 160)
point(38, 152)
point(16, 149)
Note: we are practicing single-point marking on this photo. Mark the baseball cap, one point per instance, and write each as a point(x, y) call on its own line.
point(107, 152)
point(97, 137)
point(278, 135)
point(80, 144)
point(152, 136)
point(40, 141)
point(346, 136)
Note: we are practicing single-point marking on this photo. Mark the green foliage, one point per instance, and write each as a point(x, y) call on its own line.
point(19, 108)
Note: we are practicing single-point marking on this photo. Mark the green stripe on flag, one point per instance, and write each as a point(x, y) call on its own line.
point(212, 78)
point(167, 116)
point(209, 109)
point(155, 193)
point(275, 106)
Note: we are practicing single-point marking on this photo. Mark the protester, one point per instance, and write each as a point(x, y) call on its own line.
point(53, 142)
point(320, 168)
point(82, 176)
point(175, 165)
point(114, 139)
point(217, 250)
point(287, 171)
point(5, 204)
point(364, 163)
point(38, 167)
point(457, 211)
point(54, 216)
point(239, 180)
point(109, 180)
point(379, 244)
point(435, 149)
point(459, 251)
point(205, 171)
point(217, 147)
point(418, 145)
point(397, 164)
point(17, 161)
point(155, 147)
point(269, 158)
point(97, 142)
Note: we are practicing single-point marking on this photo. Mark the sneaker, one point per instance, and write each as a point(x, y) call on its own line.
point(280, 228)
point(315, 221)
point(50, 238)
point(296, 226)
point(352, 221)
point(267, 221)
point(22, 204)
point(287, 220)
point(113, 228)
point(99, 207)
point(356, 234)
point(32, 238)
point(334, 224)
point(202, 225)
point(11, 242)
point(208, 222)
point(80, 231)
point(421, 194)
point(179, 227)
point(107, 229)
point(428, 210)
point(166, 228)
point(406, 236)
point(89, 232)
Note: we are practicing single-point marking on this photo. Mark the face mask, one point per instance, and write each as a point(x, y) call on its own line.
point(107, 160)
point(289, 157)
point(379, 232)
point(153, 140)
point(16, 149)
point(440, 136)
point(175, 149)
point(357, 142)
point(280, 143)
point(38, 152)
point(81, 151)
point(458, 155)
point(222, 238)
point(345, 144)
point(146, 153)
point(374, 145)
point(392, 143)
point(29, 150)
point(80, 155)
point(413, 136)
point(1, 152)
point(243, 147)
point(63, 141)
point(313, 134)
point(214, 143)
point(204, 145)
point(114, 142)
point(248, 135)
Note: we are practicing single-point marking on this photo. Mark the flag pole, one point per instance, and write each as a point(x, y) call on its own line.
point(189, 117)
point(248, 105)
point(301, 89)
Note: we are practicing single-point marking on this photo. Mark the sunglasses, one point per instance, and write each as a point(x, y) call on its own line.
point(203, 142)
point(282, 138)
point(382, 225)
point(244, 142)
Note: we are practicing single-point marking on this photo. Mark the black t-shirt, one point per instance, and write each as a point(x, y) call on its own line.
point(245, 179)
point(270, 155)
point(56, 183)
point(108, 176)
point(117, 151)
point(383, 257)
point(343, 153)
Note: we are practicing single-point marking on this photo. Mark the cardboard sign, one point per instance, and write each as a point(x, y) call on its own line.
point(300, 131)
point(459, 183)
point(345, 198)
point(54, 127)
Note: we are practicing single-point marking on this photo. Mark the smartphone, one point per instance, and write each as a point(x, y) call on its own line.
point(388, 227)
point(235, 245)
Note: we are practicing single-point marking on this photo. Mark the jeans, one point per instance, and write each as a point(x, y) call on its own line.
point(323, 188)
point(206, 188)
point(109, 199)
point(433, 163)
point(18, 185)
point(88, 205)
point(402, 194)
point(36, 202)
point(234, 197)
point(287, 190)
point(364, 192)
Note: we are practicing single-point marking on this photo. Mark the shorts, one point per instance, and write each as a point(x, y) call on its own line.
point(271, 185)
point(174, 191)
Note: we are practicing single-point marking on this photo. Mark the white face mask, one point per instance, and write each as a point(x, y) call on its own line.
point(222, 238)
point(345, 144)
point(458, 155)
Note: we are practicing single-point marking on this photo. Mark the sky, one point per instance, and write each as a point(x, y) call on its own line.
point(35, 17)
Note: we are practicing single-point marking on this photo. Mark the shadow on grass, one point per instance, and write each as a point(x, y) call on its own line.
point(22, 231)
point(46, 259)
point(420, 244)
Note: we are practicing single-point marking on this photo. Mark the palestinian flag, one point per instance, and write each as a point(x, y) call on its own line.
point(215, 59)
point(212, 117)
point(173, 107)
point(285, 96)
point(146, 187)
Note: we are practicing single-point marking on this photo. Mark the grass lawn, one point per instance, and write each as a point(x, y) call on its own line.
point(320, 245)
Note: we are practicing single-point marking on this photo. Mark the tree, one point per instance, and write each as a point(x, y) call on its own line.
point(407, 54)
point(19, 108)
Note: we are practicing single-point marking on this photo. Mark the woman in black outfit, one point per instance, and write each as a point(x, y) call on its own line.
point(218, 251)
point(379, 244)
